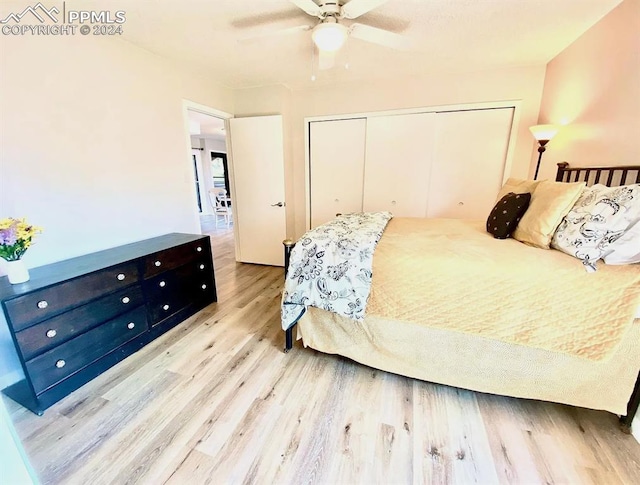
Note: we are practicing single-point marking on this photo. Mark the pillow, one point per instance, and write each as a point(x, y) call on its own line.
point(518, 186)
point(506, 214)
point(599, 218)
point(625, 249)
point(550, 202)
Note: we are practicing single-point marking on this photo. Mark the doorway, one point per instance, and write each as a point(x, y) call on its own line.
point(211, 176)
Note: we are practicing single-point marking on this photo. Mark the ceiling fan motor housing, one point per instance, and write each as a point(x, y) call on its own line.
point(330, 8)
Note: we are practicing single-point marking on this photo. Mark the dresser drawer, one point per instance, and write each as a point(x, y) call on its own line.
point(50, 333)
point(42, 304)
point(164, 285)
point(60, 362)
point(174, 257)
point(172, 291)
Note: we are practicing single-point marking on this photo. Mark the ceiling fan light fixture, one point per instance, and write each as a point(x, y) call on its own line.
point(329, 36)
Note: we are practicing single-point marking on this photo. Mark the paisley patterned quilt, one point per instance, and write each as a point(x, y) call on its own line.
point(330, 267)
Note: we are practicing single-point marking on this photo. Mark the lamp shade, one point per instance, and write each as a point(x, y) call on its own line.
point(329, 36)
point(544, 132)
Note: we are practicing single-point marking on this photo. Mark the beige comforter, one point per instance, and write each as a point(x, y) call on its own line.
point(451, 274)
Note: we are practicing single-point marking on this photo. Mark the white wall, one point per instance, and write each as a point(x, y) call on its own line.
point(93, 145)
point(214, 145)
point(14, 464)
point(524, 84)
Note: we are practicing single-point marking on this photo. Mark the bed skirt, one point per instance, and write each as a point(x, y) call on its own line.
point(479, 364)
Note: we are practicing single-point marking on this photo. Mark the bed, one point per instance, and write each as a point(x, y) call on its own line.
point(451, 305)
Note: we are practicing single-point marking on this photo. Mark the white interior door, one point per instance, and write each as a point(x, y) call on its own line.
point(399, 152)
point(337, 168)
point(470, 156)
point(257, 168)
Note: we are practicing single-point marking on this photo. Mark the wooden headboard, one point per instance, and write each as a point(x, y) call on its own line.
point(610, 176)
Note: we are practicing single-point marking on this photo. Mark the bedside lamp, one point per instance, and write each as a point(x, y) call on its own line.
point(542, 133)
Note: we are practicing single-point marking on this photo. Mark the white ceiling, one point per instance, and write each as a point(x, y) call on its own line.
point(449, 35)
point(205, 125)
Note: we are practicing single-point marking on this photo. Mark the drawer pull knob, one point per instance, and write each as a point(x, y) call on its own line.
point(162, 284)
point(43, 304)
point(126, 299)
point(165, 307)
point(60, 364)
point(120, 276)
point(51, 333)
point(199, 249)
point(204, 287)
point(158, 263)
point(130, 325)
point(202, 266)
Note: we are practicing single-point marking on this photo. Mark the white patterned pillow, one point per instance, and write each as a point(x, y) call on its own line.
point(598, 218)
point(625, 249)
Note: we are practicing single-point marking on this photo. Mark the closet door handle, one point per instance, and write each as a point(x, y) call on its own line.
point(278, 204)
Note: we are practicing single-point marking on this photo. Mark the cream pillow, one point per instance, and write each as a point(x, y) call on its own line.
point(517, 186)
point(550, 202)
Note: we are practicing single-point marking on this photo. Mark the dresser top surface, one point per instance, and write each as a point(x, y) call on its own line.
point(55, 273)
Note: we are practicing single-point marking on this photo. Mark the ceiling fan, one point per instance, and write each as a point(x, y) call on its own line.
point(331, 32)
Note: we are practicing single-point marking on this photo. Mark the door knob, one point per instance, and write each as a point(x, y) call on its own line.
point(279, 204)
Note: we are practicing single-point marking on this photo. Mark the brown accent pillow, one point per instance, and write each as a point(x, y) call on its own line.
point(506, 214)
point(550, 202)
point(518, 186)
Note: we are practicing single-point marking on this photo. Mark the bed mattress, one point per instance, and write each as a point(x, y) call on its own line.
point(516, 321)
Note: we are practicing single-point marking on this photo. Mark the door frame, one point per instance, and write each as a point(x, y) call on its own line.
point(187, 106)
point(196, 155)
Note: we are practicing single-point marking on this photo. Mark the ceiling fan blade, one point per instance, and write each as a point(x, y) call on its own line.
point(380, 36)
point(277, 33)
point(326, 59)
point(355, 8)
point(308, 6)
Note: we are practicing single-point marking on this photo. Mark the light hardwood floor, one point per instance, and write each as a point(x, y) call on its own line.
point(216, 400)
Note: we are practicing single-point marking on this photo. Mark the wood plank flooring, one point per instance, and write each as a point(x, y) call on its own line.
point(216, 400)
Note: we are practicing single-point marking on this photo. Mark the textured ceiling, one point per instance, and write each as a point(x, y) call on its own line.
point(448, 36)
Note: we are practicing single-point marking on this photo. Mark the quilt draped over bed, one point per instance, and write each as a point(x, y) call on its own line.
point(451, 274)
point(330, 267)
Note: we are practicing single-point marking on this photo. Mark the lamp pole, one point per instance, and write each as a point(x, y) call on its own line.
point(542, 134)
point(541, 150)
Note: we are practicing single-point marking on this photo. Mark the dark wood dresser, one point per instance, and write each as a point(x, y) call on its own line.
point(76, 318)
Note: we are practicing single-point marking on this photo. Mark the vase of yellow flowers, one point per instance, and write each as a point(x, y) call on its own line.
point(16, 236)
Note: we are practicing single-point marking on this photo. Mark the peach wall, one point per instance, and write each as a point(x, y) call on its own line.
point(593, 87)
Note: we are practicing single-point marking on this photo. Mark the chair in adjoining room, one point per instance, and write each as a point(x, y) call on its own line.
point(220, 203)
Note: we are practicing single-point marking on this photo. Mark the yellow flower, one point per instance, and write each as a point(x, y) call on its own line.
point(16, 237)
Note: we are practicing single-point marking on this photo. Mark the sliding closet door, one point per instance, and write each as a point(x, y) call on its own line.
point(399, 157)
point(336, 168)
point(470, 156)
